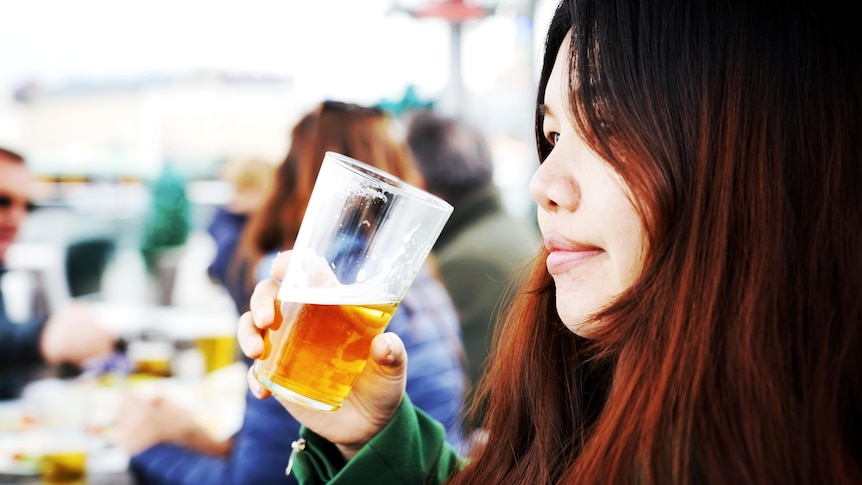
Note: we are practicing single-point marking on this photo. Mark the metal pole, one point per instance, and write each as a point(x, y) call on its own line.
point(455, 79)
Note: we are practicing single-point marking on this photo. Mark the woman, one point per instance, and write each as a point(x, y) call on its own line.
point(426, 319)
point(163, 447)
point(249, 180)
point(695, 317)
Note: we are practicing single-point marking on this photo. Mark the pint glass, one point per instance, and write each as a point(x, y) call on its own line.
point(364, 236)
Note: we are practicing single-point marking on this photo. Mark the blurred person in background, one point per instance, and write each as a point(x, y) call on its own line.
point(71, 335)
point(167, 448)
point(250, 181)
point(482, 247)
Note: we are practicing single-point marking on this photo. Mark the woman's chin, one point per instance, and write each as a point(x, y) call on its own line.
point(587, 331)
point(581, 326)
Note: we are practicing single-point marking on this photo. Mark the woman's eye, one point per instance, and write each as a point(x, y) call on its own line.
point(553, 137)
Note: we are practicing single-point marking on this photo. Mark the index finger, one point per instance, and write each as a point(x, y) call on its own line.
point(262, 303)
point(279, 265)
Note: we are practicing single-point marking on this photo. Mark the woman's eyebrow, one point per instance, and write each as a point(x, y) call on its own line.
point(544, 110)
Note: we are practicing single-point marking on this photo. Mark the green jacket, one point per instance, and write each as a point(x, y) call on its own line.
point(410, 450)
point(481, 249)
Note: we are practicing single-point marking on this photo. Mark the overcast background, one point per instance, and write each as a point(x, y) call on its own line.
point(361, 49)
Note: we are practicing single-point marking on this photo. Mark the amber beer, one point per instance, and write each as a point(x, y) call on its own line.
point(314, 351)
point(64, 467)
point(364, 236)
point(218, 351)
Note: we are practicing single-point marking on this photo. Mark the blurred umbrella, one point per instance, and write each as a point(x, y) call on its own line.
point(455, 12)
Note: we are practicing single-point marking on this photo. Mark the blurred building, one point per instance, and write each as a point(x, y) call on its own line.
point(126, 129)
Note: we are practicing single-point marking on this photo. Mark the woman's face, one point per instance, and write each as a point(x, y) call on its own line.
point(592, 231)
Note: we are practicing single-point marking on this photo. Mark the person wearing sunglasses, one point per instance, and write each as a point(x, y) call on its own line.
point(72, 335)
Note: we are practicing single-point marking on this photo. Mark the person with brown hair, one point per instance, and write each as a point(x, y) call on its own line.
point(426, 319)
point(249, 180)
point(165, 450)
point(695, 315)
point(360, 132)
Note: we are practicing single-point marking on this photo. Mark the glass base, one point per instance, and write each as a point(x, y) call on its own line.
point(295, 397)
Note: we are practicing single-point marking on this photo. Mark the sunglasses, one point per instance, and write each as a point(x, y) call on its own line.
point(7, 202)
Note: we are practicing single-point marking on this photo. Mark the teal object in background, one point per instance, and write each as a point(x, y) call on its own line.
point(168, 222)
point(409, 102)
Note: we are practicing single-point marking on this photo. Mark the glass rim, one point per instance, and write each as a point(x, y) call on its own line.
point(391, 181)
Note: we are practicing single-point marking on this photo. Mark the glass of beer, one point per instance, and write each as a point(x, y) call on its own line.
point(217, 350)
point(364, 236)
point(64, 467)
point(64, 460)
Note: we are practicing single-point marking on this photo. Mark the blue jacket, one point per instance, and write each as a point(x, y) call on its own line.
point(436, 381)
point(19, 350)
point(226, 229)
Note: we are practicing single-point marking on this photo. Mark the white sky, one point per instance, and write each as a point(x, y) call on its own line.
point(354, 50)
point(351, 49)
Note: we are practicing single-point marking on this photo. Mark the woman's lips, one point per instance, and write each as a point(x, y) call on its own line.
point(560, 260)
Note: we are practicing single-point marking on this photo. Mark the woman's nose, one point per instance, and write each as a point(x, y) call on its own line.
point(552, 188)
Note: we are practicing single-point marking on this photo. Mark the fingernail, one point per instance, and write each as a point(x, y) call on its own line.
point(390, 346)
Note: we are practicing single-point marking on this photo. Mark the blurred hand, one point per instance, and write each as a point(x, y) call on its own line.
point(144, 421)
point(74, 335)
point(376, 393)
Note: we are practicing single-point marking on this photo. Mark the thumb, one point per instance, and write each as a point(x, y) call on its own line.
point(388, 352)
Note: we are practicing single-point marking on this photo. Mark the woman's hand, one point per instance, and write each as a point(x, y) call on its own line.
point(376, 393)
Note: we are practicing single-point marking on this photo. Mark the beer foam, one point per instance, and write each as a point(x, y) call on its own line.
point(310, 279)
point(361, 188)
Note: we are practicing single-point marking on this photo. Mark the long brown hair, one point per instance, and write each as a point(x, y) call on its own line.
point(736, 356)
point(361, 132)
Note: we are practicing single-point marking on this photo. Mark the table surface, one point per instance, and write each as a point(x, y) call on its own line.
point(121, 478)
point(176, 323)
point(41, 418)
